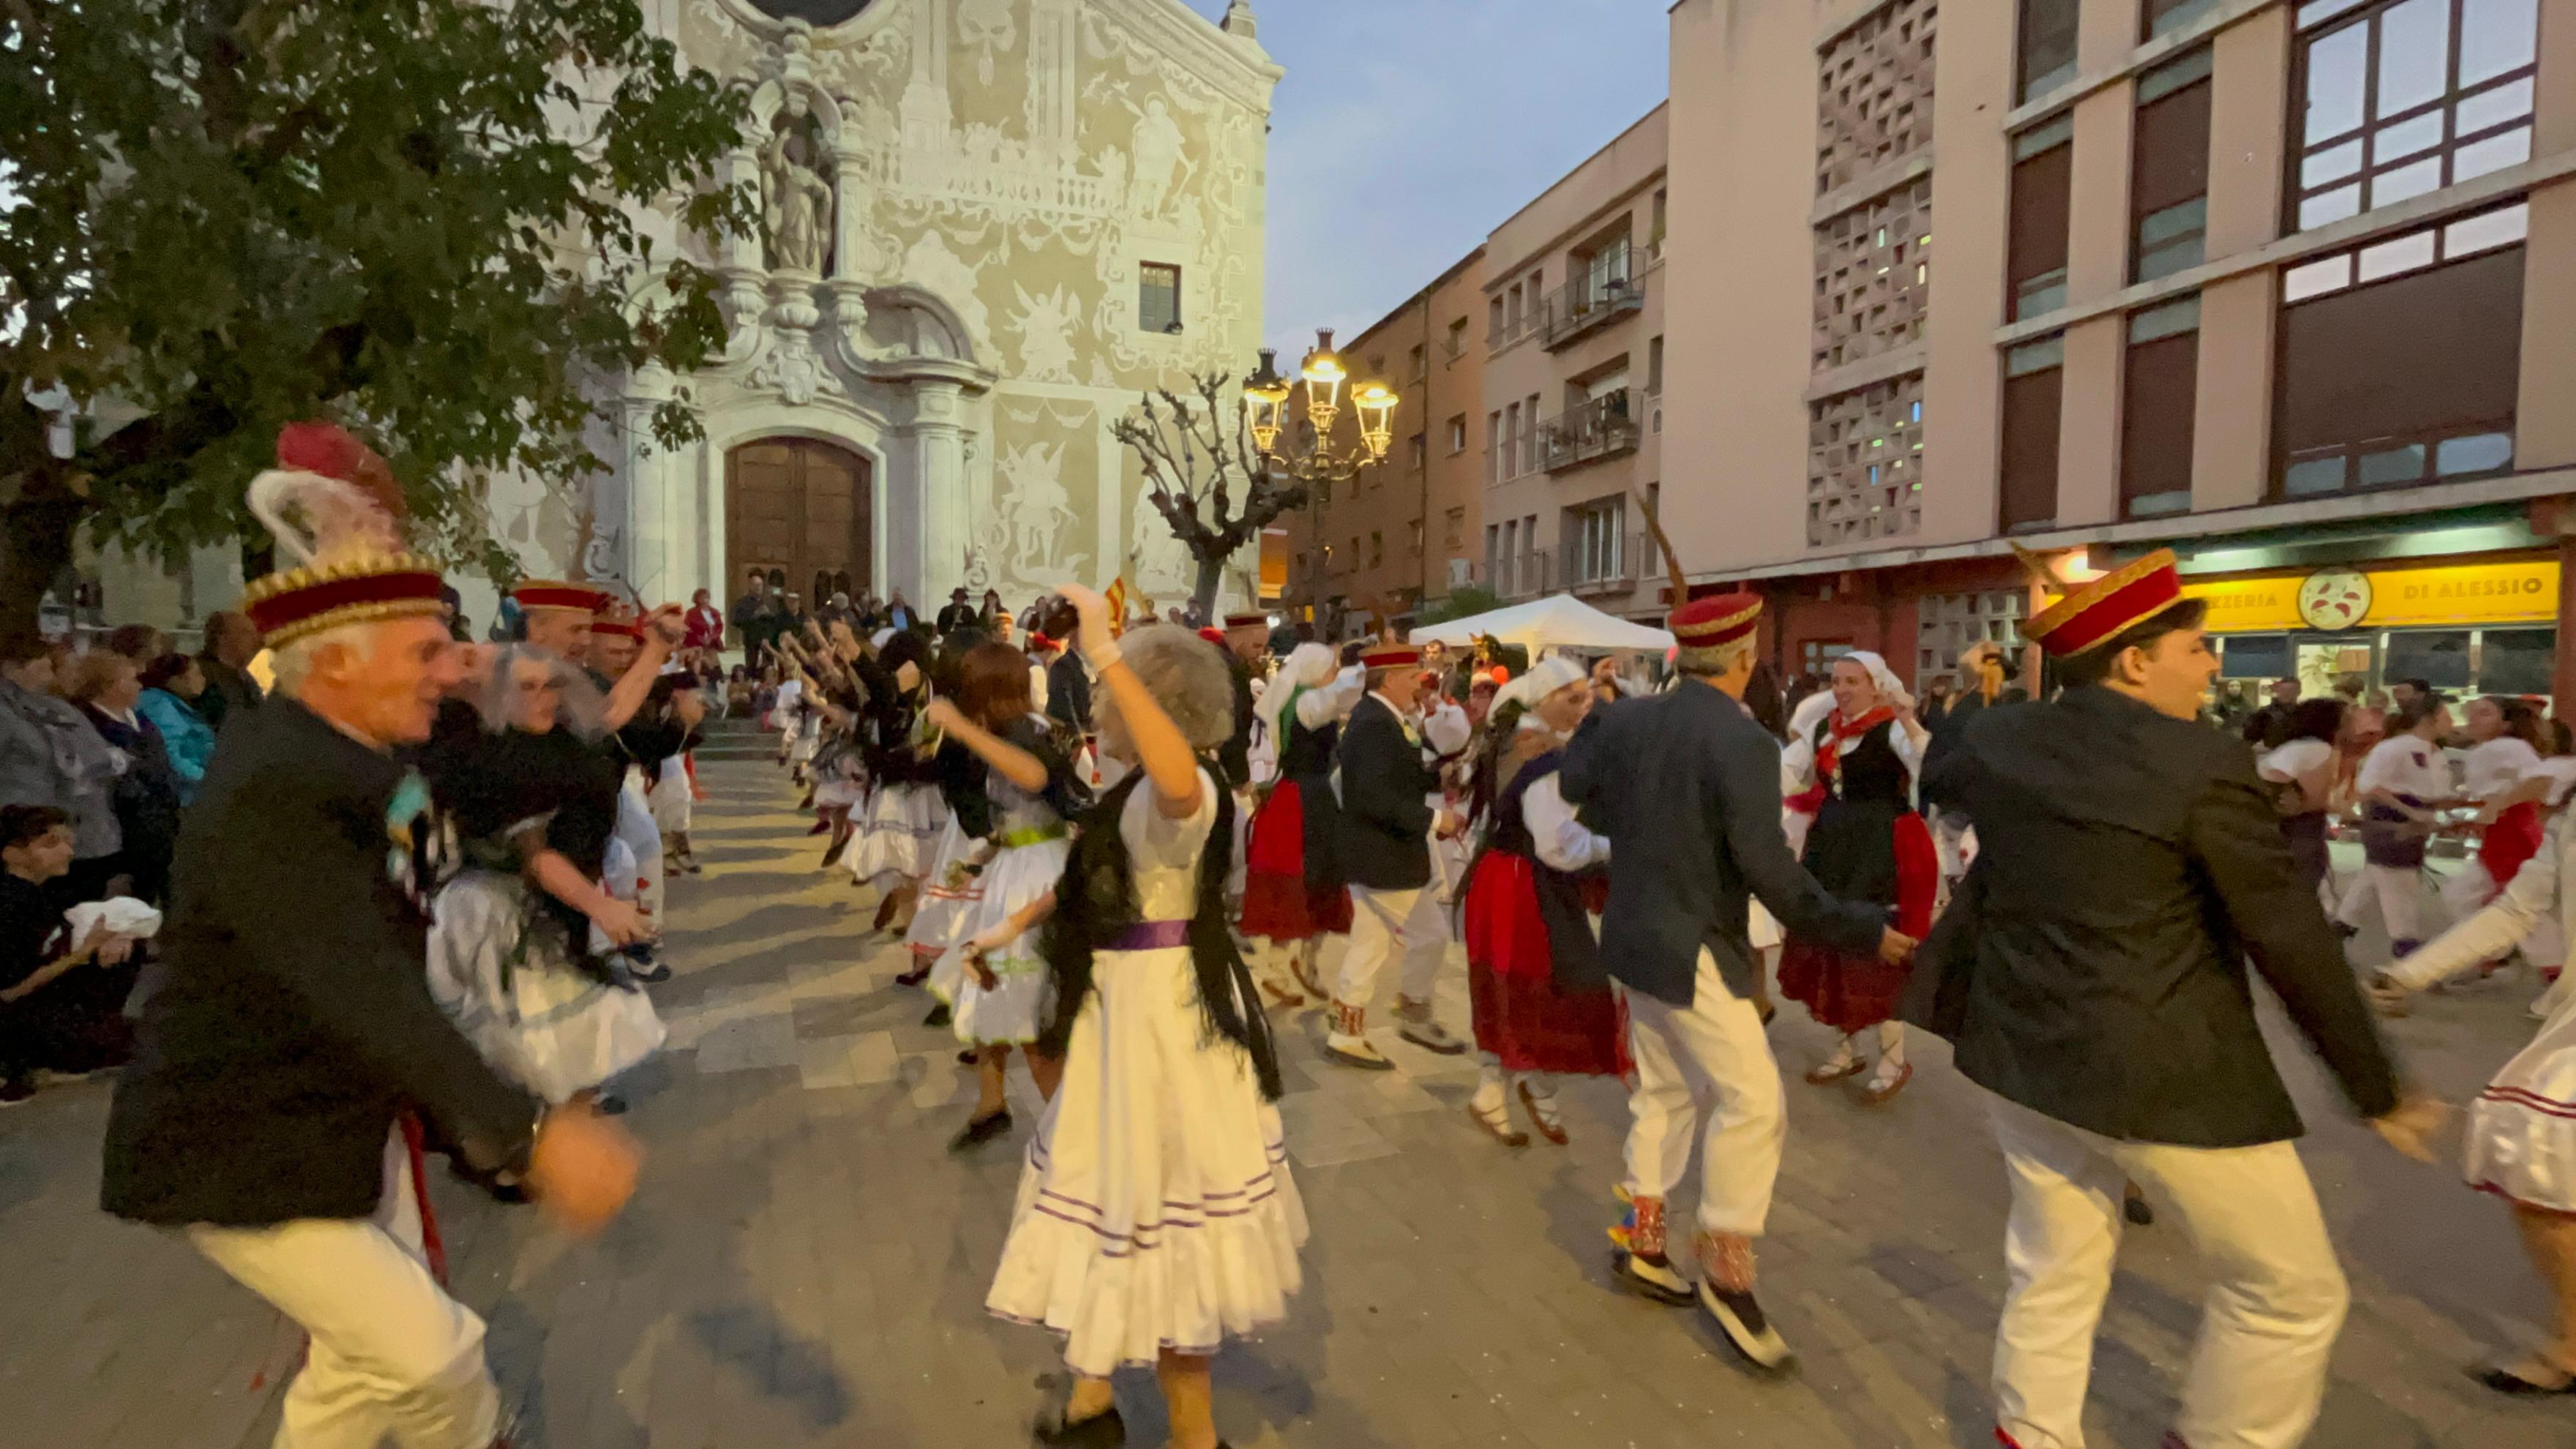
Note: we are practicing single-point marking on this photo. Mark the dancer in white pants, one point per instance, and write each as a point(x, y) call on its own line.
point(2402, 782)
point(2130, 867)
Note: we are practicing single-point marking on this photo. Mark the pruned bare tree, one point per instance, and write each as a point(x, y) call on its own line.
point(1215, 492)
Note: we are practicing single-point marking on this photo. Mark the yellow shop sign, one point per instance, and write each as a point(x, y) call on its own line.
point(2521, 592)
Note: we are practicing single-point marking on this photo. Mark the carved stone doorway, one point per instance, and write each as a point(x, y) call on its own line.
point(798, 509)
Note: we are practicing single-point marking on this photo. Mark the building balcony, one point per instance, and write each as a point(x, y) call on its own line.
point(1602, 565)
point(1605, 427)
point(1585, 306)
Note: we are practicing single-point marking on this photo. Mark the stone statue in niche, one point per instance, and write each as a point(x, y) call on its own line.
point(1156, 156)
point(797, 196)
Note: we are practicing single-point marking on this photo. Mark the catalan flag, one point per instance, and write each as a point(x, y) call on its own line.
point(1116, 597)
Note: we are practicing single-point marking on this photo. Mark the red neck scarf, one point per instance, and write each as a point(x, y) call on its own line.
point(1829, 756)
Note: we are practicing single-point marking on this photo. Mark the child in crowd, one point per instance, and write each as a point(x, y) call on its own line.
point(61, 1001)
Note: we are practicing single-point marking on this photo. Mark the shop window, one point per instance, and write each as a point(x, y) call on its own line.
point(2169, 174)
point(2042, 176)
point(2254, 656)
point(1816, 656)
point(2398, 98)
point(2439, 657)
point(2163, 17)
point(1158, 297)
point(2033, 380)
point(2517, 661)
point(1946, 624)
point(2355, 407)
point(2047, 45)
point(2159, 385)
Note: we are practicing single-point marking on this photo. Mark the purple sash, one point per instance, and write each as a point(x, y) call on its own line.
point(1150, 936)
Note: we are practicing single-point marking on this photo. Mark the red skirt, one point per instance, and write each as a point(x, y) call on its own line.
point(1853, 992)
point(1276, 902)
point(1521, 1017)
point(2511, 841)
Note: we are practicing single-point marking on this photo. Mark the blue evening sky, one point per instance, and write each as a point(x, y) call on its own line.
point(1408, 129)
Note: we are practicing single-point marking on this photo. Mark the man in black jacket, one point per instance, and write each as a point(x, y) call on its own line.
point(958, 614)
point(1687, 787)
point(296, 1023)
point(1382, 852)
point(2092, 971)
point(1068, 678)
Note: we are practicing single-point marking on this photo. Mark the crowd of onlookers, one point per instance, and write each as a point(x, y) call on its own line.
point(102, 748)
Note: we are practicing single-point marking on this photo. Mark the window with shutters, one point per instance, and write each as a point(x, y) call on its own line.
point(2042, 177)
point(2355, 406)
point(2159, 388)
point(2034, 377)
point(2395, 99)
point(2047, 45)
point(2169, 175)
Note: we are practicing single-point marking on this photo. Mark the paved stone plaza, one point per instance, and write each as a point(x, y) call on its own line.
point(805, 1265)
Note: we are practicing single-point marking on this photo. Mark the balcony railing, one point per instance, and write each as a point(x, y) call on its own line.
point(1587, 303)
point(1599, 565)
point(1605, 427)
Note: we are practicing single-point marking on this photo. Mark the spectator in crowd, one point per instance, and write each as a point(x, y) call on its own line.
point(107, 687)
point(61, 1001)
point(2268, 728)
point(703, 625)
point(898, 614)
point(172, 685)
point(2406, 691)
point(751, 617)
point(958, 614)
point(994, 614)
point(789, 617)
point(139, 642)
point(49, 755)
point(232, 642)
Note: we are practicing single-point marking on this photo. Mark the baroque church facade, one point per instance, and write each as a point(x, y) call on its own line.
point(992, 224)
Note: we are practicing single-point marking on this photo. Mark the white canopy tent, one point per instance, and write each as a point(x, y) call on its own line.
point(1558, 621)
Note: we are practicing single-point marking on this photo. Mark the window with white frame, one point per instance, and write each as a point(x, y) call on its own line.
point(2397, 98)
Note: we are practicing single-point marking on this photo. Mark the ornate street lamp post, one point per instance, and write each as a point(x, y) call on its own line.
point(1312, 456)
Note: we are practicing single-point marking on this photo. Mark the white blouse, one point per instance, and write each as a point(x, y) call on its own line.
point(2405, 765)
point(1165, 851)
point(2496, 766)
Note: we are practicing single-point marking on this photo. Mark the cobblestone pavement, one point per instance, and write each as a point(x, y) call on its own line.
point(805, 1265)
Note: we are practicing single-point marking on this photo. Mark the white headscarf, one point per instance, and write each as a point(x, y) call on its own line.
point(1890, 690)
point(1308, 666)
point(1546, 677)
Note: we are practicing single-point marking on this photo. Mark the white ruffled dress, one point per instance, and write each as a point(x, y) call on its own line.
point(1156, 1209)
point(949, 895)
point(1034, 842)
point(538, 1019)
point(2521, 1141)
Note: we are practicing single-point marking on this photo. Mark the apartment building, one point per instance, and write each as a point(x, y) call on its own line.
point(1573, 380)
point(1405, 530)
point(2288, 286)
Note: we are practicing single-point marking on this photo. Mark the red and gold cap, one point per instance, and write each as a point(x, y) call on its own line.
point(1213, 636)
point(354, 571)
point(1247, 621)
point(556, 594)
point(1390, 656)
point(2099, 611)
point(1703, 627)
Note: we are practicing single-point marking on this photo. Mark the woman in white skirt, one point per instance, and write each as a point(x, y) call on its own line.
point(1156, 1215)
point(541, 1007)
point(899, 842)
point(2522, 1128)
point(993, 980)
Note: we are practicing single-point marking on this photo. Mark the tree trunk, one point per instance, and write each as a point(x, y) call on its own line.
point(1211, 579)
point(36, 533)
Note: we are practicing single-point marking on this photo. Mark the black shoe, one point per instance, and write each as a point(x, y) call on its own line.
point(608, 1105)
point(1742, 1321)
point(652, 975)
point(1100, 1431)
point(2139, 1211)
point(970, 1056)
point(939, 1016)
point(2506, 1379)
point(980, 1130)
point(914, 977)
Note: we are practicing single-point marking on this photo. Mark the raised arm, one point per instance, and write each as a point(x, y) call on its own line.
point(1017, 765)
point(1161, 749)
point(662, 629)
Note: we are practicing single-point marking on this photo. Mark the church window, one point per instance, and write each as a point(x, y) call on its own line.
point(1158, 303)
